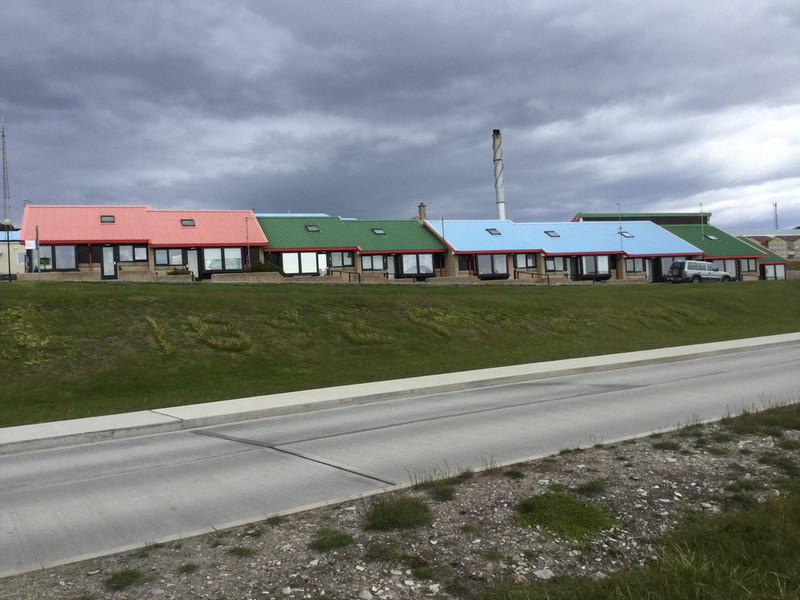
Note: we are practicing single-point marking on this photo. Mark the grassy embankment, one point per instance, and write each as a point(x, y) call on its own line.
point(81, 349)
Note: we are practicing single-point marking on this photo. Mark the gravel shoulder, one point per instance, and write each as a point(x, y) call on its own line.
point(473, 541)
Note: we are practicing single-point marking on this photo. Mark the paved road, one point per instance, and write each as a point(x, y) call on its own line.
point(64, 504)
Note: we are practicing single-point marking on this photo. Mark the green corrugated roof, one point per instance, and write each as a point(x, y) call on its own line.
point(292, 233)
point(631, 216)
point(399, 236)
point(770, 258)
point(714, 242)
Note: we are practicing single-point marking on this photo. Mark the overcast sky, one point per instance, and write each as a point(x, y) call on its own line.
point(367, 108)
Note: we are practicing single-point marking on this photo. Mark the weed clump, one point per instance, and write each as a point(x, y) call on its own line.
point(595, 486)
point(241, 551)
point(328, 539)
point(398, 512)
point(564, 516)
point(667, 445)
point(125, 579)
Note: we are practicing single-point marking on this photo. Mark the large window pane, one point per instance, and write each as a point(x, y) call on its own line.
point(291, 263)
point(308, 262)
point(372, 262)
point(45, 257)
point(233, 259)
point(161, 257)
point(140, 253)
point(499, 263)
point(212, 259)
point(65, 257)
point(175, 256)
point(426, 263)
point(410, 264)
point(484, 264)
point(126, 254)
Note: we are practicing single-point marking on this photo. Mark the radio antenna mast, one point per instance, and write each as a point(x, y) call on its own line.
point(6, 194)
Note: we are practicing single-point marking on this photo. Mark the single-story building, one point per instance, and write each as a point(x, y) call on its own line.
point(138, 243)
point(553, 252)
point(728, 252)
point(772, 265)
point(12, 255)
point(353, 250)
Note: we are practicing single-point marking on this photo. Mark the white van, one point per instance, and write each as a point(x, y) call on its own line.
point(696, 271)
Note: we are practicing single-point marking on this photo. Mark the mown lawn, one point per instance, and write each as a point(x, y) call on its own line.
point(83, 349)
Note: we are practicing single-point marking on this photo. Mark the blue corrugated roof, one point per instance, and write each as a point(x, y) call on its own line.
point(13, 236)
point(642, 238)
point(474, 236)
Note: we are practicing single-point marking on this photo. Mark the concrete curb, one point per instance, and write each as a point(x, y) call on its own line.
point(42, 436)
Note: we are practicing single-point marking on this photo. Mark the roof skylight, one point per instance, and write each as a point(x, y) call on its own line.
point(493, 231)
point(713, 238)
point(552, 233)
point(626, 234)
point(379, 231)
point(312, 228)
point(107, 218)
point(187, 222)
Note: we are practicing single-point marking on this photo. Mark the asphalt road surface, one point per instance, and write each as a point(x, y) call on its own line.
point(71, 503)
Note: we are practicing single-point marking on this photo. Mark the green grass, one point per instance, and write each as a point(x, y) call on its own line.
point(667, 445)
point(564, 516)
point(125, 579)
point(188, 567)
point(398, 512)
point(71, 350)
point(740, 555)
point(590, 488)
point(328, 539)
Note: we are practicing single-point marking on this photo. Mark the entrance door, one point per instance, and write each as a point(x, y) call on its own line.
point(109, 266)
point(191, 260)
point(390, 266)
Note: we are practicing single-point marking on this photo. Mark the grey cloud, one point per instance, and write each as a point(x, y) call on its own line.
point(368, 109)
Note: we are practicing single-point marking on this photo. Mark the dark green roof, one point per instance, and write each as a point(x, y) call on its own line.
point(714, 242)
point(333, 233)
point(295, 233)
point(408, 235)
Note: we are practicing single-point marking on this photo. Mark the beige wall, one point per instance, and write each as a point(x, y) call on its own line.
point(13, 249)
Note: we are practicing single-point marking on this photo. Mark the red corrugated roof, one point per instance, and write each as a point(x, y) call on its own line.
point(139, 224)
point(82, 224)
point(211, 228)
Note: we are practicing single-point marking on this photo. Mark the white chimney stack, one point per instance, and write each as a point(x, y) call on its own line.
point(498, 175)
